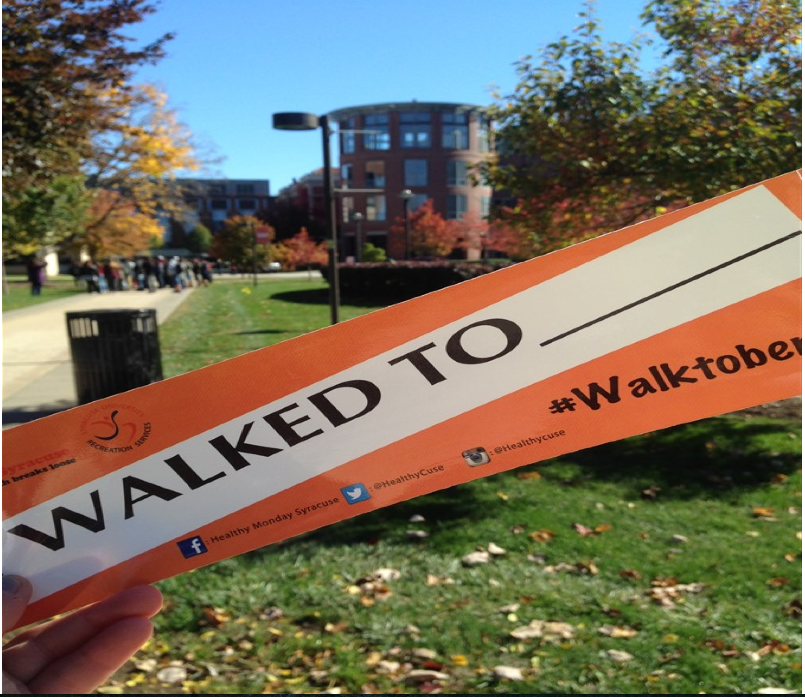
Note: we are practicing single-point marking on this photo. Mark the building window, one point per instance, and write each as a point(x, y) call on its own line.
point(219, 204)
point(456, 173)
point(244, 188)
point(347, 208)
point(375, 207)
point(456, 206)
point(483, 135)
point(416, 172)
point(417, 201)
point(216, 189)
point(246, 204)
point(348, 137)
point(486, 202)
point(379, 140)
point(415, 130)
point(346, 176)
point(375, 174)
point(455, 131)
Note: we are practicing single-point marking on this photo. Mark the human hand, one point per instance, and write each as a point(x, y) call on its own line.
point(78, 652)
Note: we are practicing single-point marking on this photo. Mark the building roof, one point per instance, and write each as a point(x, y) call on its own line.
point(413, 105)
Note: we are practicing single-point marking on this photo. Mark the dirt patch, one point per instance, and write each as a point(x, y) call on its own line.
point(782, 409)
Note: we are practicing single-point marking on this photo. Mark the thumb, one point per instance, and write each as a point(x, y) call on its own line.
point(16, 594)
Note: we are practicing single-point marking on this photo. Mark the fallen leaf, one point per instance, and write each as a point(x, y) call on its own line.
point(459, 660)
point(508, 673)
point(793, 609)
point(619, 656)
point(172, 675)
point(678, 539)
point(617, 632)
point(388, 667)
point(506, 609)
point(387, 575)
point(475, 558)
point(604, 527)
point(583, 530)
point(529, 475)
point(650, 494)
point(503, 496)
point(777, 691)
point(416, 518)
point(778, 581)
point(427, 654)
point(433, 580)
point(417, 534)
point(420, 676)
point(495, 550)
point(542, 535)
point(548, 630)
point(630, 574)
point(216, 616)
point(762, 512)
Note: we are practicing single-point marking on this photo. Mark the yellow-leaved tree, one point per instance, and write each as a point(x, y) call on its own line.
point(139, 147)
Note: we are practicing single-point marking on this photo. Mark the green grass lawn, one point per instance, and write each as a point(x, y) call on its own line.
point(19, 291)
point(665, 563)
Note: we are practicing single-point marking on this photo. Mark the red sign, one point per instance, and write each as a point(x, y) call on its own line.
point(262, 234)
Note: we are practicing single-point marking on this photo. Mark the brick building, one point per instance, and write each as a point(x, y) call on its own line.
point(211, 201)
point(426, 148)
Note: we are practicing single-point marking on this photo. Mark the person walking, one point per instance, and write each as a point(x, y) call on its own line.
point(36, 275)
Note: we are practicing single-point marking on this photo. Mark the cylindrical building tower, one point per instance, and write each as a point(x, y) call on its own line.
point(425, 148)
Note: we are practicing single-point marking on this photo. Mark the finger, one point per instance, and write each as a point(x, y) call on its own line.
point(90, 665)
point(16, 594)
point(32, 651)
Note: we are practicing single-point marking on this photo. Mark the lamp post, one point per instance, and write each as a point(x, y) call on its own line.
point(406, 195)
point(301, 121)
point(357, 217)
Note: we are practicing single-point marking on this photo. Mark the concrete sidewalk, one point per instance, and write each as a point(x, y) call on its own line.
point(37, 367)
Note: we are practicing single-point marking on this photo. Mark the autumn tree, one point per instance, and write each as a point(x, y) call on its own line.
point(139, 147)
point(59, 57)
point(431, 234)
point(234, 243)
point(300, 251)
point(115, 226)
point(590, 142)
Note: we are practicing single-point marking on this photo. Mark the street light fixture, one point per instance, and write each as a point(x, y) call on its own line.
point(300, 121)
point(406, 195)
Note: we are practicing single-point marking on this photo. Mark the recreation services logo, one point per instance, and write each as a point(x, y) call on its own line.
point(116, 428)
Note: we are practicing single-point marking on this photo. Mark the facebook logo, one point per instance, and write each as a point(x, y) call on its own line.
point(192, 547)
point(356, 493)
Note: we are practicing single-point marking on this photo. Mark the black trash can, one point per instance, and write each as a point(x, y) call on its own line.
point(113, 351)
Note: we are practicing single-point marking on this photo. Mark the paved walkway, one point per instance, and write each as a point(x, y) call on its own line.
point(37, 368)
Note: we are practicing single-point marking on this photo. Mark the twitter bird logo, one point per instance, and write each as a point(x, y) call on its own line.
point(355, 493)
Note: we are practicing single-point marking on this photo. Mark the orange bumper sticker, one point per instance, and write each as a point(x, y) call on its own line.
point(689, 315)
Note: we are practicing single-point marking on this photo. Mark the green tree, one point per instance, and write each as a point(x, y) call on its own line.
point(42, 216)
point(199, 239)
point(235, 243)
point(590, 142)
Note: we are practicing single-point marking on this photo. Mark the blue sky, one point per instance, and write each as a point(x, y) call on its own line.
point(235, 62)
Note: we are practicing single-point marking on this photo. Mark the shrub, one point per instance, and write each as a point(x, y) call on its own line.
point(404, 280)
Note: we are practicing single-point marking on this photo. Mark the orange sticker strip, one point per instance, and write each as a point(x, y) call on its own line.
point(679, 318)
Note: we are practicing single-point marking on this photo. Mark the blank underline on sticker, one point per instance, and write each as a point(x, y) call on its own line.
point(670, 288)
